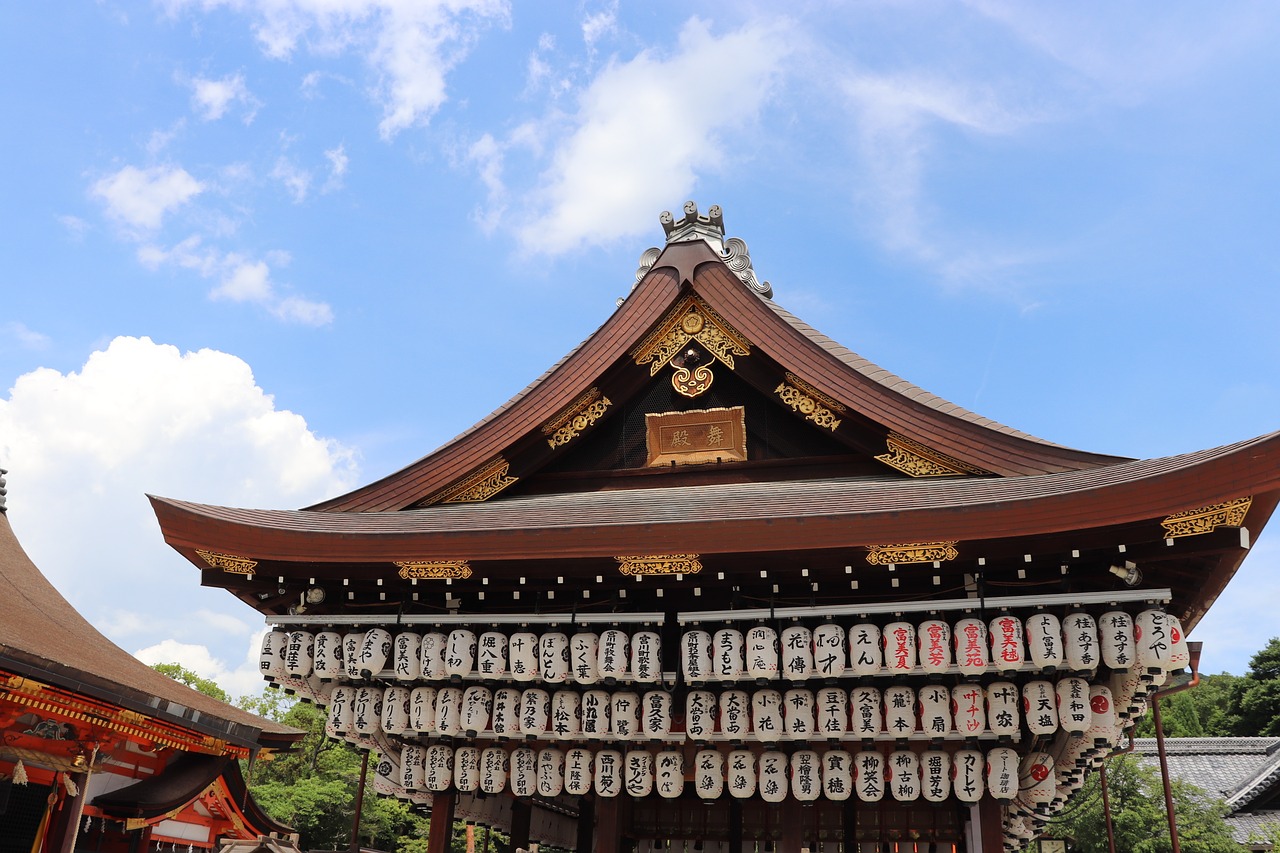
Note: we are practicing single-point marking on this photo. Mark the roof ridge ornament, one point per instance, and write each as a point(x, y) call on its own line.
point(3, 491)
point(710, 229)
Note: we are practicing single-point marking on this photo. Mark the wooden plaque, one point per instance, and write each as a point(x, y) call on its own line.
point(697, 437)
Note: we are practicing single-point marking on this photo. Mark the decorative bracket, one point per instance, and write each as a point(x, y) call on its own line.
point(228, 562)
point(576, 418)
point(660, 564)
point(919, 552)
point(810, 403)
point(433, 569)
point(690, 320)
point(917, 460)
point(1206, 519)
point(480, 485)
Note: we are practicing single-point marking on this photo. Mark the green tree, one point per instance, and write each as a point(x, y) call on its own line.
point(185, 676)
point(1138, 814)
point(1255, 702)
point(1203, 711)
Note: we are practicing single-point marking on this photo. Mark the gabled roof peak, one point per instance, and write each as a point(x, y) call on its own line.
point(709, 229)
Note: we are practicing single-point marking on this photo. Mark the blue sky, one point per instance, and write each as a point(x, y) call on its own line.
point(257, 253)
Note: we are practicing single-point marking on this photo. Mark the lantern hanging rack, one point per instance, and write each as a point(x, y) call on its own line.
point(1161, 596)
point(650, 618)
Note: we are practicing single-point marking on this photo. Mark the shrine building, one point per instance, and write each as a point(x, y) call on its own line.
point(98, 751)
point(714, 582)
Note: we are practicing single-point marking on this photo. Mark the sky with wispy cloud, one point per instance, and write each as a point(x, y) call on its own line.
point(257, 252)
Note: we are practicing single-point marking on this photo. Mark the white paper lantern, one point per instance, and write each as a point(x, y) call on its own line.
point(431, 652)
point(646, 657)
point(797, 713)
point(271, 656)
point(1002, 773)
point(899, 711)
point(1007, 650)
point(695, 656)
point(505, 718)
point(1072, 697)
point(1044, 640)
point(933, 639)
point(566, 714)
point(413, 775)
point(491, 655)
point(299, 652)
point(466, 769)
point(742, 773)
point(669, 773)
point(550, 772)
point(772, 776)
point(535, 712)
point(608, 773)
point(904, 778)
point(613, 656)
point(387, 777)
point(1153, 633)
point(327, 661)
point(366, 709)
point(935, 775)
point(899, 640)
point(708, 775)
point(729, 658)
point(655, 717)
point(1037, 783)
point(867, 709)
point(766, 715)
point(524, 772)
point(970, 640)
point(460, 654)
point(584, 652)
point(1039, 705)
point(449, 711)
point(1115, 630)
point(595, 713)
point(522, 652)
point(735, 714)
point(762, 653)
point(869, 776)
point(1102, 716)
point(340, 718)
point(439, 768)
point(624, 719)
point(1180, 655)
point(493, 770)
point(405, 663)
point(351, 644)
point(637, 773)
point(968, 775)
point(1002, 708)
point(806, 775)
point(395, 710)
point(1125, 687)
point(797, 653)
point(422, 710)
point(577, 772)
point(866, 654)
point(831, 707)
point(837, 775)
point(699, 715)
point(477, 705)
point(968, 705)
point(829, 656)
point(935, 710)
point(375, 651)
point(553, 657)
point(1080, 643)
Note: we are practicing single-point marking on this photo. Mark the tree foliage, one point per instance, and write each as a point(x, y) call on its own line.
point(182, 675)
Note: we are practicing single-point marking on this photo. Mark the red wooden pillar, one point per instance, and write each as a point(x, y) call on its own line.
point(608, 825)
point(791, 830)
point(441, 821)
point(990, 830)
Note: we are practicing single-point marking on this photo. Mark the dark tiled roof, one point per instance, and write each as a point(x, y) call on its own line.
point(1247, 825)
point(1237, 769)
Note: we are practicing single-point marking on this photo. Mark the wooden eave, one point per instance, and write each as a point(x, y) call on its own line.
point(869, 391)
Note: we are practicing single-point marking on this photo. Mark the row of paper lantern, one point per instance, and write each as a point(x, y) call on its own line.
point(1151, 641)
point(969, 710)
point(902, 775)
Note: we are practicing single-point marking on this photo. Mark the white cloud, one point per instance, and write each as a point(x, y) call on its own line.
point(27, 338)
point(338, 163)
point(142, 197)
point(487, 156)
point(83, 449)
point(76, 227)
point(597, 26)
point(296, 179)
point(242, 680)
point(212, 98)
point(641, 138)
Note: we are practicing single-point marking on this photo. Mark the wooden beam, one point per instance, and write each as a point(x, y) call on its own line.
point(441, 821)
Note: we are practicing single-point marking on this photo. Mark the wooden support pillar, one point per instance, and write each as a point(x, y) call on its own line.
point(586, 823)
point(849, 824)
point(438, 841)
point(608, 838)
point(521, 816)
point(990, 829)
point(791, 826)
point(735, 825)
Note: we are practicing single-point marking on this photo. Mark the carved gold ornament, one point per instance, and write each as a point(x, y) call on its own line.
point(575, 418)
point(809, 402)
point(690, 320)
point(919, 552)
point(1206, 519)
point(434, 569)
point(660, 564)
point(692, 383)
point(227, 562)
point(480, 485)
point(917, 460)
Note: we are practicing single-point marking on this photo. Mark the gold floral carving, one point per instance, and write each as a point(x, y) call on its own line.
point(917, 460)
point(575, 418)
point(690, 320)
point(1193, 522)
point(480, 485)
point(809, 402)
point(433, 569)
point(228, 563)
point(919, 552)
point(693, 383)
point(660, 564)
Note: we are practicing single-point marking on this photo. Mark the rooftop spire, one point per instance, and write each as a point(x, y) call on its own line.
point(710, 229)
